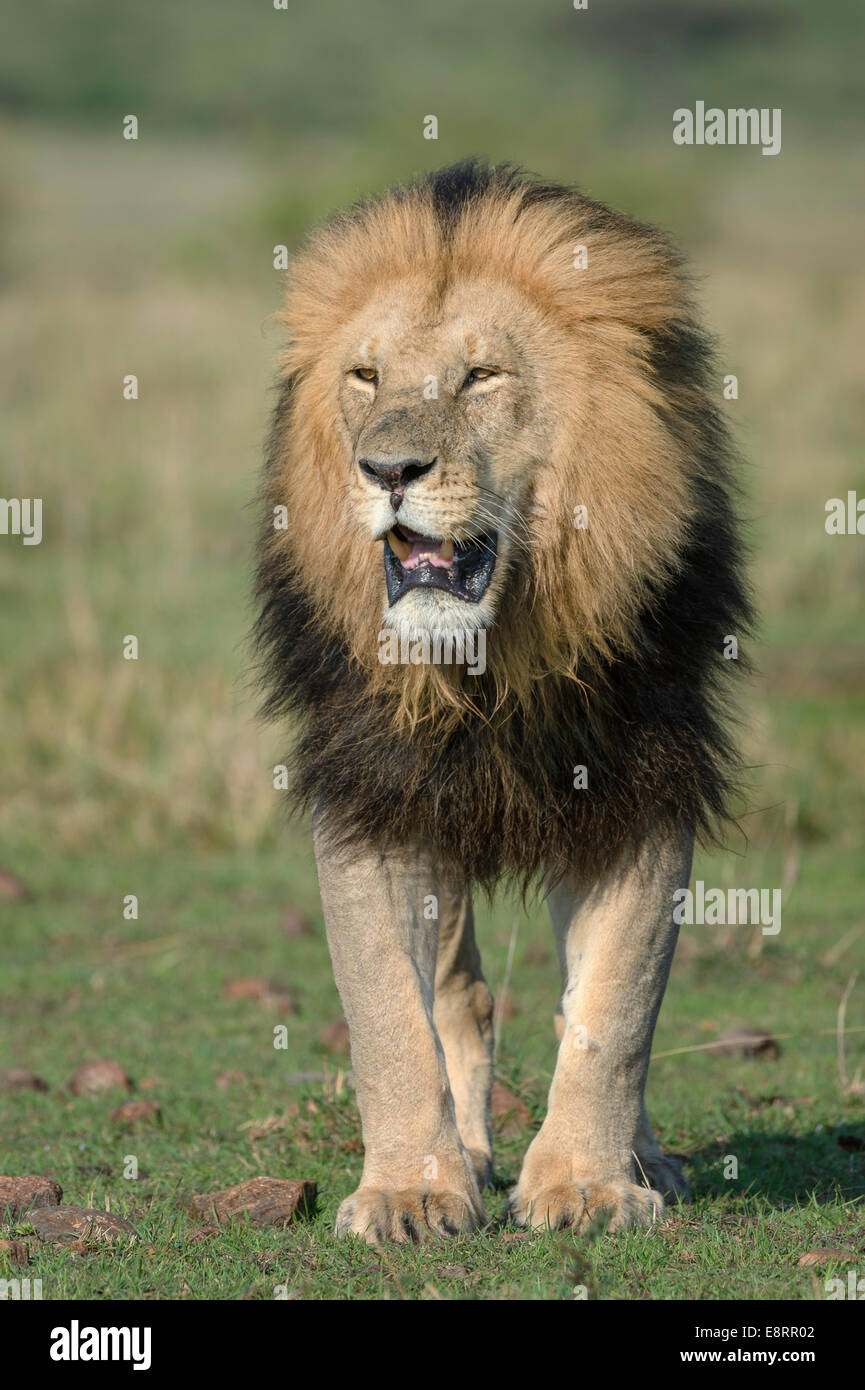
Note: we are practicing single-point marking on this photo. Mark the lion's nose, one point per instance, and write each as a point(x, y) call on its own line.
point(390, 472)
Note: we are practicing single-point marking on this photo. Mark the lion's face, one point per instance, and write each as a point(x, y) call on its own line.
point(438, 403)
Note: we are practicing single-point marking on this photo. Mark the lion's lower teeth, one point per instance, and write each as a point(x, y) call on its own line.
point(400, 548)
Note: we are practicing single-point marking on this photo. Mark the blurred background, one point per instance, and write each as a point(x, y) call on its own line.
point(155, 257)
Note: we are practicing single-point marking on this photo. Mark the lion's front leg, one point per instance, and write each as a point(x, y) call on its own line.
point(616, 945)
point(417, 1177)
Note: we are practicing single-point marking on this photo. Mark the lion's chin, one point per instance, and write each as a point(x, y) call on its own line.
point(431, 612)
point(413, 561)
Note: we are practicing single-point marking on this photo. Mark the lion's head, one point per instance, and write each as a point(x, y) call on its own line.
point(496, 414)
point(481, 431)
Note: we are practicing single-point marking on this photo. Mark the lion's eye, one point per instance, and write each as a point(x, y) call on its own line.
point(479, 374)
point(365, 374)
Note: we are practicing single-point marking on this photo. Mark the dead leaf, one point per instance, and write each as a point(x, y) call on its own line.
point(825, 1254)
point(748, 1042)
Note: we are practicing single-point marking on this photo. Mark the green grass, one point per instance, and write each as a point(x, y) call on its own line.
point(152, 777)
point(150, 994)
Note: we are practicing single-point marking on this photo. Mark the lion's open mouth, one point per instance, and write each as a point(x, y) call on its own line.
point(461, 568)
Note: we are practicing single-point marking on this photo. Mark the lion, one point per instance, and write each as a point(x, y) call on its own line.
point(497, 427)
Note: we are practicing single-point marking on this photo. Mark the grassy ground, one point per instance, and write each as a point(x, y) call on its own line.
point(151, 778)
point(151, 994)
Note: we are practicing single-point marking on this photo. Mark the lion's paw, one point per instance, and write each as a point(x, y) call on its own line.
point(577, 1204)
point(409, 1216)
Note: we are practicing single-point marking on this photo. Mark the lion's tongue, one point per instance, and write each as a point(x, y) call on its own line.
point(426, 551)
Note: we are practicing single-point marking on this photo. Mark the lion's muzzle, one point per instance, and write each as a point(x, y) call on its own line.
point(462, 568)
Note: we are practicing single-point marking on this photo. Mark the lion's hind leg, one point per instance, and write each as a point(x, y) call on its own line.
point(659, 1170)
point(464, 1021)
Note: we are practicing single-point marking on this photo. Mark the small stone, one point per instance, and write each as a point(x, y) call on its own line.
point(17, 1079)
point(102, 1075)
point(269, 995)
point(261, 1201)
point(135, 1112)
point(294, 924)
point(11, 887)
point(70, 1223)
point(510, 1113)
point(19, 1195)
point(247, 987)
point(335, 1037)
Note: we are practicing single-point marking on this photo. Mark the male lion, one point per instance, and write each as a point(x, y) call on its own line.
point(497, 415)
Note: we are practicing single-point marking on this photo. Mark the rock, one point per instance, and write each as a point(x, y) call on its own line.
point(19, 1195)
point(509, 1112)
point(536, 953)
point(247, 987)
point(294, 924)
point(17, 1079)
point(11, 887)
point(135, 1112)
point(71, 1223)
point(15, 1252)
point(262, 1201)
point(230, 1078)
point(335, 1038)
point(102, 1075)
point(269, 995)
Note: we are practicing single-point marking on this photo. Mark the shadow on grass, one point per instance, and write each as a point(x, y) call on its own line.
point(785, 1169)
